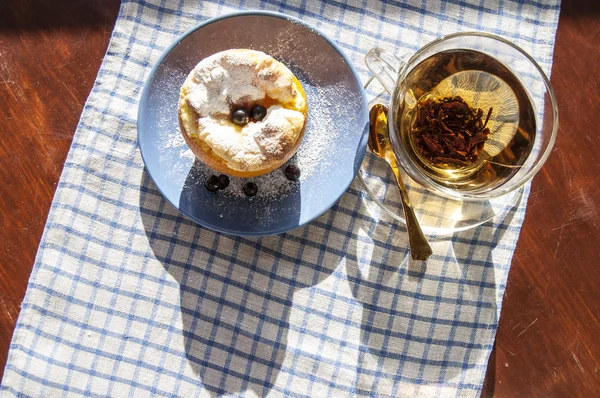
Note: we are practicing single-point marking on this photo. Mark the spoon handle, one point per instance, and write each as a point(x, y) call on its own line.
point(419, 247)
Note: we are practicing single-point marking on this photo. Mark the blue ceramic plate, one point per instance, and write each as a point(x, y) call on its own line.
point(329, 156)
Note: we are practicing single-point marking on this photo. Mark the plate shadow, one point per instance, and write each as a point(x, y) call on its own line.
point(236, 295)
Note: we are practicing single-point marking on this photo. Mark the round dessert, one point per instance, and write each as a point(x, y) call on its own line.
point(242, 112)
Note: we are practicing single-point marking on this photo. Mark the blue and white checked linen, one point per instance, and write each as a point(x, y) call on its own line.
point(128, 298)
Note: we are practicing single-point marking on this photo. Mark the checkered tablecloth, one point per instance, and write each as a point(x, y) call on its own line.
point(128, 298)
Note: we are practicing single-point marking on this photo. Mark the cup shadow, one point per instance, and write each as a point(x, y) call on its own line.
point(235, 295)
point(422, 321)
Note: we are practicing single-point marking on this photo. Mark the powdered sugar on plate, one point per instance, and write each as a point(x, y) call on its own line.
point(321, 132)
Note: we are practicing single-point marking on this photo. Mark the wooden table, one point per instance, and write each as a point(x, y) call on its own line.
point(548, 342)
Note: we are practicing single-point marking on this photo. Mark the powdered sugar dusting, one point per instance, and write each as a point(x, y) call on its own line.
point(175, 141)
point(321, 132)
point(235, 78)
point(271, 185)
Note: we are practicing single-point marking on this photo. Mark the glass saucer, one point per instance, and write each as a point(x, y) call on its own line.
point(437, 215)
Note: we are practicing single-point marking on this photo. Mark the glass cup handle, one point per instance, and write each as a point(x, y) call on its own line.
point(385, 66)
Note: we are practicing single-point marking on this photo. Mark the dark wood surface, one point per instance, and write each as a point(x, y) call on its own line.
point(548, 342)
point(50, 53)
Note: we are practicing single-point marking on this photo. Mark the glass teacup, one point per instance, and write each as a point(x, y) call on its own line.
point(489, 72)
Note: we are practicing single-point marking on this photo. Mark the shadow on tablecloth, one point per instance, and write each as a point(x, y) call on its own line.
point(420, 324)
point(235, 333)
point(428, 324)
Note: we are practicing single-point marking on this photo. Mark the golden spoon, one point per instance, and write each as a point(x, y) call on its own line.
point(379, 144)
